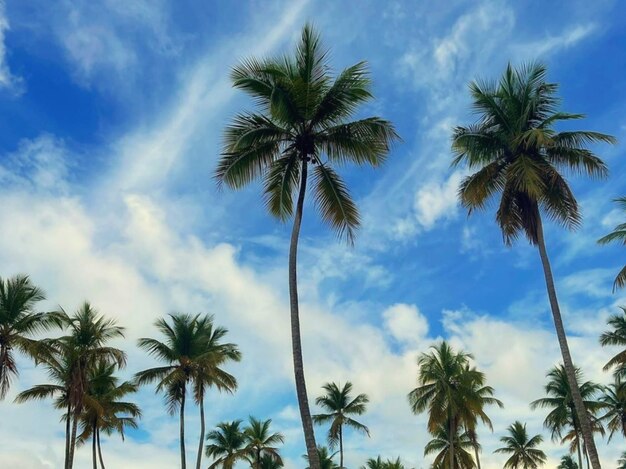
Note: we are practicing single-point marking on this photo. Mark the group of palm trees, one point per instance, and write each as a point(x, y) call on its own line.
point(298, 134)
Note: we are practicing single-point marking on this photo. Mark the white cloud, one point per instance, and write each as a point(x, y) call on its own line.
point(406, 323)
point(551, 44)
point(437, 201)
point(7, 79)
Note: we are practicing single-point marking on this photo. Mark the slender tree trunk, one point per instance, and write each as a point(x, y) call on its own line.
point(583, 418)
point(296, 342)
point(93, 446)
point(199, 460)
point(340, 447)
point(586, 456)
point(100, 451)
point(183, 463)
point(68, 423)
point(73, 440)
point(452, 433)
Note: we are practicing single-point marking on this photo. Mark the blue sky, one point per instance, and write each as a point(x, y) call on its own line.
point(111, 124)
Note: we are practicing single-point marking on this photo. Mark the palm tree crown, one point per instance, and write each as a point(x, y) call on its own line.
point(340, 405)
point(227, 445)
point(616, 336)
point(522, 449)
point(456, 455)
point(619, 235)
point(261, 442)
point(614, 401)
point(18, 322)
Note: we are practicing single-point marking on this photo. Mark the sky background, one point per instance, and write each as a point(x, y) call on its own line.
point(111, 119)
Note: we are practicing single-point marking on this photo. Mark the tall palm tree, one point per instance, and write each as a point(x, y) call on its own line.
point(193, 353)
point(18, 322)
point(228, 445)
point(563, 416)
point(567, 462)
point(521, 448)
point(303, 124)
point(104, 409)
point(340, 405)
point(453, 393)
point(616, 336)
point(208, 372)
point(618, 234)
point(451, 450)
point(85, 343)
point(324, 457)
point(614, 400)
point(260, 442)
point(517, 153)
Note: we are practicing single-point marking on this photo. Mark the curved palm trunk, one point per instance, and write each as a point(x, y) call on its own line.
point(452, 432)
point(73, 439)
point(340, 447)
point(93, 446)
point(583, 418)
point(183, 463)
point(68, 423)
point(100, 450)
point(296, 342)
point(199, 460)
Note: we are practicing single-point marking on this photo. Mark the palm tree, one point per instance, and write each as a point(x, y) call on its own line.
point(562, 415)
point(324, 457)
point(616, 336)
point(340, 405)
point(618, 234)
point(268, 462)
point(208, 372)
point(567, 462)
point(104, 411)
point(452, 450)
point(302, 123)
point(516, 152)
point(614, 400)
point(372, 463)
point(228, 445)
point(260, 442)
point(18, 321)
point(622, 461)
point(394, 464)
point(523, 450)
point(453, 393)
point(193, 352)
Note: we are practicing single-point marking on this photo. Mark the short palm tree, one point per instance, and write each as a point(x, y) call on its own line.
point(618, 234)
point(451, 450)
point(261, 442)
point(18, 322)
point(339, 406)
point(562, 416)
point(228, 445)
point(325, 458)
point(303, 125)
point(394, 464)
point(453, 393)
point(567, 462)
point(614, 400)
point(521, 448)
point(621, 462)
point(268, 462)
point(193, 353)
point(104, 409)
point(372, 463)
point(516, 152)
point(616, 336)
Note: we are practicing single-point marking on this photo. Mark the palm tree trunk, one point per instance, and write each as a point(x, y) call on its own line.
point(199, 460)
point(183, 463)
point(93, 446)
point(68, 423)
point(340, 447)
point(583, 418)
point(100, 451)
point(452, 432)
point(580, 458)
point(296, 342)
point(73, 440)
